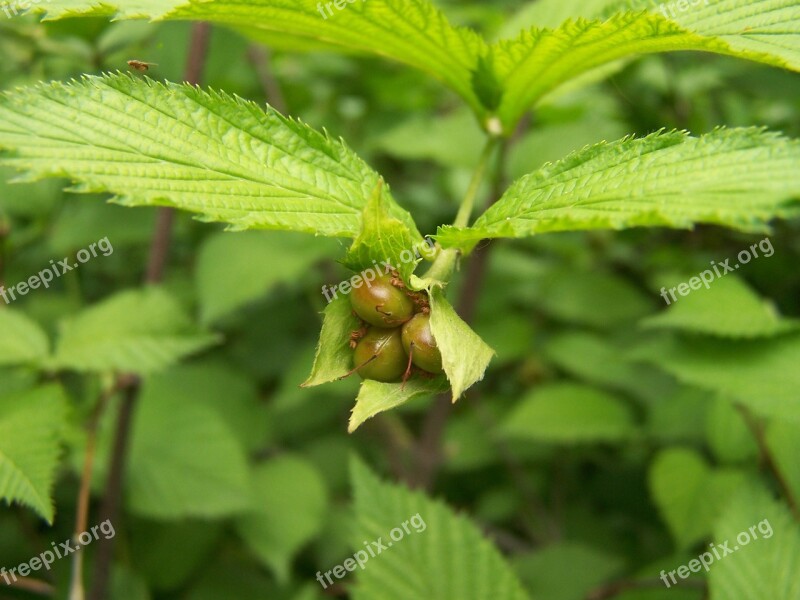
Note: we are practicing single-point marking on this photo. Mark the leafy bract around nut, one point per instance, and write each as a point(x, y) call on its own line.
point(334, 357)
point(465, 356)
point(384, 238)
point(375, 397)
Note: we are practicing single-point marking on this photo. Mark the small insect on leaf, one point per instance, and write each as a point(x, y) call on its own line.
point(139, 65)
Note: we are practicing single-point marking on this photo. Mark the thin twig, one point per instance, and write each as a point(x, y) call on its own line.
point(111, 502)
point(84, 494)
point(34, 586)
point(767, 459)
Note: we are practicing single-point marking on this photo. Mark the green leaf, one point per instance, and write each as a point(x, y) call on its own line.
point(169, 554)
point(727, 433)
point(566, 570)
point(597, 360)
point(138, 331)
point(30, 435)
point(177, 145)
point(539, 61)
point(184, 460)
point(384, 238)
point(412, 32)
point(766, 566)
point(22, 341)
point(569, 413)
point(738, 178)
point(593, 298)
point(59, 9)
point(761, 374)
point(443, 555)
point(727, 308)
point(375, 397)
point(289, 506)
point(783, 441)
point(223, 389)
point(236, 269)
point(451, 140)
point(465, 356)
point(766, 31)
point(689, 493)
point(334, 357)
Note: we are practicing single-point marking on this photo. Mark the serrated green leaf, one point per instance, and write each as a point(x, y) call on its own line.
point(465, 356)
point(375, 397)
point(236, 269)
point(767, 31)
point(413, 32)
point(177, 145)
point(569, 413)
point(30, 435)
point(289, 506)
point(334, 358)
point(689, 493)
point(761, 374)
point(184, 460)
point(384, 238)
point(766, 566)
point(22, 341)
point(739, 178)
point(728, 308)
point(138, 331)
point(539, 61)
point(443, 555)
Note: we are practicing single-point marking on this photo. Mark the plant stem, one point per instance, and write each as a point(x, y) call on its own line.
point(444, 265)
point(76, 591)
point(767, 459)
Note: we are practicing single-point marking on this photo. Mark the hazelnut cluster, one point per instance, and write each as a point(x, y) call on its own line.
point(395, 336)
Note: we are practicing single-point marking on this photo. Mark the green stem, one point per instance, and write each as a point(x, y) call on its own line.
point(442, 268)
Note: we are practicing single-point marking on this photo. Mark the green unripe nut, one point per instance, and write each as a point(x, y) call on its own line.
point(425, 353)
point(380, 303)
point(381, 354)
